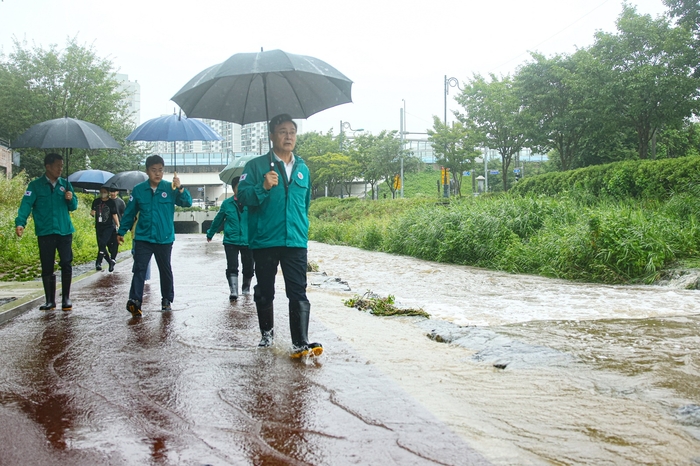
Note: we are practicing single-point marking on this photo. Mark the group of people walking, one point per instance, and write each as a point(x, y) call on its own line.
point(266, 222)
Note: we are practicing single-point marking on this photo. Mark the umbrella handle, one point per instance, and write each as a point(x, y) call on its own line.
point(174, 175)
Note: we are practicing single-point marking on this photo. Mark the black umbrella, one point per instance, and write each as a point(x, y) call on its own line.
point(125, 181)
point(66, 133)
point(89, 179)
point(249, 87)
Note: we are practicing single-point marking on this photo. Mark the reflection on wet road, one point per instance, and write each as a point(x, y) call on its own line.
point(94, 386)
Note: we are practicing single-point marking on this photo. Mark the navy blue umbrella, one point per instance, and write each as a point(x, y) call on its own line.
point(90, 179)
point(172, 128)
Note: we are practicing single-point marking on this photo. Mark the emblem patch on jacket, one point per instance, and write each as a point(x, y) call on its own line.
point(164, 195)
point(27, 193)
point(243, 176)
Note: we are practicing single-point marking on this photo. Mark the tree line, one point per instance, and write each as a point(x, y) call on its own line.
point(38, 84)
point(633, 94)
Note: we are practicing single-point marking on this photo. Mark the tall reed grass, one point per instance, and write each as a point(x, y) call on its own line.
point(576, 236)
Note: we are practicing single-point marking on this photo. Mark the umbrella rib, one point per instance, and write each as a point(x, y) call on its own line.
point(247, 95)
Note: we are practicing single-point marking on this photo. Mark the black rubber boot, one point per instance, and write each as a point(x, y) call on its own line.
point(299, 327)
point(66, 279)
point(49, 292)
point(98, 261)
point(111, 263)
point(233, 286)
point(245, 291)
point(266, 319)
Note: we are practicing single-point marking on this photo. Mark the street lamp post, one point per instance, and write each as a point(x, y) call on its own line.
point(343, 126)
point(403, 140)
point(449, 82)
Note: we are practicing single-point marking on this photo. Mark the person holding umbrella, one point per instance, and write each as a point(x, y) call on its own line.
point(49, 199)
point(154, 202)
point(235, 219)
point(277, 190)
point(104, 210)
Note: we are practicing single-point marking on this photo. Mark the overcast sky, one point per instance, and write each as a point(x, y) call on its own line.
point(395, 51)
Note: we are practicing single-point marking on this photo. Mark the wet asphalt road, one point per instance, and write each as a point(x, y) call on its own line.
point(94, 386)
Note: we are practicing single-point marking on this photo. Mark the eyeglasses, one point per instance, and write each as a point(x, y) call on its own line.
point(156, 171)
point(286, 133)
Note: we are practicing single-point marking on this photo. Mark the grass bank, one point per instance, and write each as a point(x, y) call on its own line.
point(576, 236)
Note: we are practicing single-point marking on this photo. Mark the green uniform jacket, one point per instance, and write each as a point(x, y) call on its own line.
point(235, 223)
point(48, 206)
point(155, 211)
point(280, 216)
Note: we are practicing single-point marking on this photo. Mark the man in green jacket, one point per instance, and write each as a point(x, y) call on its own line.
point(277, 190)
point(49, 199)
point(154, 202)
point(235, 219)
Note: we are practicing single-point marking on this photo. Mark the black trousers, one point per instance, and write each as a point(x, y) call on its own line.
point(232, 251)
point(48, 245)
point(293, 263)
point(143, 251)
point(105, 237)
point(113, 245)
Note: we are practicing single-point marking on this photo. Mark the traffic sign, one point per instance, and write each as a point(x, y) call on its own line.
point(494, 172)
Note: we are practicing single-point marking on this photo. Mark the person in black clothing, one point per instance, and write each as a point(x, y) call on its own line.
point(113, 245)
point(104, 210)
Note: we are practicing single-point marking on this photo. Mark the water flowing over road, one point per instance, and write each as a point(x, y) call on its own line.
point(509, 369)
point(594, 374)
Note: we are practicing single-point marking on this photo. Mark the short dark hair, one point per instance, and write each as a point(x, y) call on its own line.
point(49, 159)
point(154, 160)
point(278, 120)
point(113, 189)
point(235, 181)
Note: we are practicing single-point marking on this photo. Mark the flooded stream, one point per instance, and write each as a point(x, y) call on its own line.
point(531, 370)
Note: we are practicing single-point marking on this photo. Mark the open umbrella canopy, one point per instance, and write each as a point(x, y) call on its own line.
point(173, 128)
point(66, 133)
point(125, 181)
point(90, 179)
point(235, 168)
point(251, 87)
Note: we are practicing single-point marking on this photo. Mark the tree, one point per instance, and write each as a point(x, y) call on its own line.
point(43, 84)
point(386, 154)
point(312, 145)
point(645, 74)
point(454, 148)
point(362, 152)
point(332, 170)
point(558, 118)
point(687, 12)
point(495, 110)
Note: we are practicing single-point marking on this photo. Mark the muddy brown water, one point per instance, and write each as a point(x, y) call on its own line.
point(589, 374)
point(594, 374)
